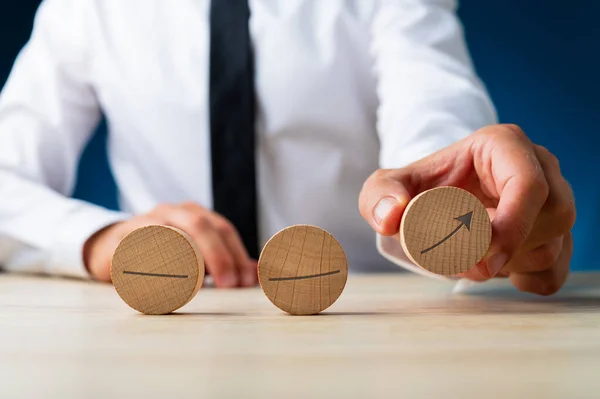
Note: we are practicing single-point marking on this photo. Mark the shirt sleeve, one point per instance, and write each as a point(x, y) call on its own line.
point(429, 94)
point(48, 111)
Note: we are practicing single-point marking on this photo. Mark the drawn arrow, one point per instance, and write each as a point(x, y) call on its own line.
point(465, 220)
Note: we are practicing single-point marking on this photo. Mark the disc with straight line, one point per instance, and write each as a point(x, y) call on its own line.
point(302, 269)
point(445, 230)
point(157, 269)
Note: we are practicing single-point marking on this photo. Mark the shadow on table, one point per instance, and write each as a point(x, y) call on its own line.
point(487, 301)
point(508, 300)
point(203, 314)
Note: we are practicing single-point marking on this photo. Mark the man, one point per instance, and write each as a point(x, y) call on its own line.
point(320, 94)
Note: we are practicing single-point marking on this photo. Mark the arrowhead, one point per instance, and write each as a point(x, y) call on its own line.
point(466, 219)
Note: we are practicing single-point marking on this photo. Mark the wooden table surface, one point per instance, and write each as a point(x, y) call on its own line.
point(400, 336)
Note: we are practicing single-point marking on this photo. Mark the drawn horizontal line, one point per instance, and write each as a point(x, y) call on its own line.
point(155, 274)
point(304, 277)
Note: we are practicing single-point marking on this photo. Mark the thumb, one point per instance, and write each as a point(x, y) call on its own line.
point(382, 201)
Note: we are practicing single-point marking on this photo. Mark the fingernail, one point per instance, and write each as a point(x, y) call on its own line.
point(248, 280)
point(229, 281)
point(496, 263)
point(383, 208)
point(250, 277)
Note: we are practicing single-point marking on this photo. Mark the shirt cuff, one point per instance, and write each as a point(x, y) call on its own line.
point(391, 249)
point(80, 224)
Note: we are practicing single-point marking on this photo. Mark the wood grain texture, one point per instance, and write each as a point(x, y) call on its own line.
point(445, 230)
point(389, 336)
point(157, 269)
point(302, 270)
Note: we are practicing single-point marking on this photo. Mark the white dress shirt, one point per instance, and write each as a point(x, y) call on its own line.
point(343, 87)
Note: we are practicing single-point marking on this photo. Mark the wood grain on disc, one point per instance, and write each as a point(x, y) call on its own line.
point(445, 230)
point(303, 270)
point(157, 269)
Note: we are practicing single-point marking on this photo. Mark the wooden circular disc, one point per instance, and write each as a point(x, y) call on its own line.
point(157, 269)
point(302, 269)
point(445, 230)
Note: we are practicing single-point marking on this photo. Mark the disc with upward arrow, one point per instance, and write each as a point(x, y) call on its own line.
point(445, 230)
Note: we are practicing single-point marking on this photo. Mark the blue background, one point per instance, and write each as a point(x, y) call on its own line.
point(540, 60)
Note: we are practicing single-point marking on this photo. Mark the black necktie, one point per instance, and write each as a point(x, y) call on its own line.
point(232, 110)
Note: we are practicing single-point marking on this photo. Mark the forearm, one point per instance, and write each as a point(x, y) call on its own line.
point(48, 110)
point(430, 96)
point(43, 231)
